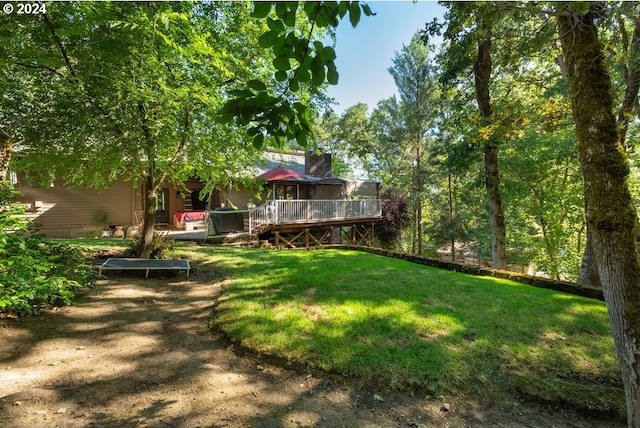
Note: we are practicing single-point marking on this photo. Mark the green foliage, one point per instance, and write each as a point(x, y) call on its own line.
point(328, 131)
point(162, 247)
point(124, 91)
point(35, 271)
point(299, 62)
point(395, 218)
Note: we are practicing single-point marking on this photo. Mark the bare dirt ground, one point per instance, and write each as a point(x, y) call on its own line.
point(138, 352)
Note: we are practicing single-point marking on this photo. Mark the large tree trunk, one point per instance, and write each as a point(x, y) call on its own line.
point(588, 270)
point(496, 213)
point(482, 73)
point(150, 188)
point(610, 211)
point(6, 147)
point(148, 225)
point(453, 238)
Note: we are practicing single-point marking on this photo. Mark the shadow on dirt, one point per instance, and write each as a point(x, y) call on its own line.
point(139, 352)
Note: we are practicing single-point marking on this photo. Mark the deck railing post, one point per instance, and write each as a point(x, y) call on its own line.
point(277, 212)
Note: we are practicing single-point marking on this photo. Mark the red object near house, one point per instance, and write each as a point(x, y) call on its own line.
point(283, 174)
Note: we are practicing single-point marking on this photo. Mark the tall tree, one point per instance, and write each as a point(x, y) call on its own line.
point(386, 155)
point(627, 25)
point(624, 47)
point(610, 210)
point(482, 78)
point(470, 32)
point(328, 140)
point(130, 91)
point(414, 76)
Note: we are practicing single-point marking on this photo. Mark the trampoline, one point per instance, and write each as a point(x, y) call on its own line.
point(144, 264)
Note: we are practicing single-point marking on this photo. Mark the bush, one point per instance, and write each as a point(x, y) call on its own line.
point(162, 247)
point(35, 271)
point(395, 218)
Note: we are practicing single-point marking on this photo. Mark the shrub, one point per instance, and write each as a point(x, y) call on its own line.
point(162, 247)
point(395, 218)
point(35, 271)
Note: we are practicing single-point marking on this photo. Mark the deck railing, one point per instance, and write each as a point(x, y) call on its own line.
point(313, 211)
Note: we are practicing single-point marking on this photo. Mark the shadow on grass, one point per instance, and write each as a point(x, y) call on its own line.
point(387, 322)
point(140, 352)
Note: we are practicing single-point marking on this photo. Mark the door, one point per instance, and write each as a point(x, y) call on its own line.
point(162, 207)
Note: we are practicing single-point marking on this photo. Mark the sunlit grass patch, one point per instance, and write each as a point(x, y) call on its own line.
point(392, 323)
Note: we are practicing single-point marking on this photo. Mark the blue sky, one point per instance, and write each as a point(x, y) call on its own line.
point(364, 53)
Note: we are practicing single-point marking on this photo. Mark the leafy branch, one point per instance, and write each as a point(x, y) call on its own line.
point(277, 117)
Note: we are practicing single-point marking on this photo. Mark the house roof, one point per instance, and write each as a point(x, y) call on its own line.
point(284, 174)
point(295, 162)
point(273, 159)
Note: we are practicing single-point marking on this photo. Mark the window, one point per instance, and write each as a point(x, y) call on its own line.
point(286, 191)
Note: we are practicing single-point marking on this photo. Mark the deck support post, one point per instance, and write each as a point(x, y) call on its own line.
point(306, 238)
point(371, 237)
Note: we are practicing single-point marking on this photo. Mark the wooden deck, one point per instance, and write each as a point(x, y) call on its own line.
point(314, 223)
point(323, 236)
point(305, 212)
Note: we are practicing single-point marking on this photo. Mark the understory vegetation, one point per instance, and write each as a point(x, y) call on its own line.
point(389, 323)
point(34, 270)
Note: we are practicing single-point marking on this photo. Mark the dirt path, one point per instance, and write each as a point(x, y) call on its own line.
point(139, 353)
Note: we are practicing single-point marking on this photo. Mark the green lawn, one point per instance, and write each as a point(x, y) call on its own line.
point(388, 322)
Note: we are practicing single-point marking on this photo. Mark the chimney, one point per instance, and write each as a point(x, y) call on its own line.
point(318, 165)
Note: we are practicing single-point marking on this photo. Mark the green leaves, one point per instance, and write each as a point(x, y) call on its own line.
point(281, 63)
point(332, 74)
point(35, 271)
point(298, 61)
point(354, 14)
point(261, 9)
point(268, 119)
point(268, 39)
point(257, 85)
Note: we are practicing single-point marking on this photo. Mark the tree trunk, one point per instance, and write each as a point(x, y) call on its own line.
point(150, 188)
point(610, 211)
point(148, 225)
point(6, 147)
point(482, 74)
point(453, 238)
point(496, 214)
point(631, 79)
point(588, 270)
point(414, 230)
point(419, 200)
